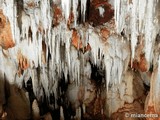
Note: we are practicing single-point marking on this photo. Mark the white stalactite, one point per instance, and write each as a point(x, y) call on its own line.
point(113, 55)
point(66, 8)
point(75, 12)
point(34, 18)
point(83, 8)
point(139, 19)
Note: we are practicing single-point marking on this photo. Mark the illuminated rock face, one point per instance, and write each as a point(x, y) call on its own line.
point(6, 40)
point(79, 59)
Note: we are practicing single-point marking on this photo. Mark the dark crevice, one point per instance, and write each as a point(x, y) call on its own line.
point(19, 13)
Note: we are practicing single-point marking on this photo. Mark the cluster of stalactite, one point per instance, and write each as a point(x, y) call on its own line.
point(79, 59)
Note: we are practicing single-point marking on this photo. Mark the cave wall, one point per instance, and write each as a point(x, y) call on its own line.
point(88, 52)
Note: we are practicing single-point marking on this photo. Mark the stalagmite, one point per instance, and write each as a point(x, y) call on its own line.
point(35, 110)
point(84, 109)
point(61, 113)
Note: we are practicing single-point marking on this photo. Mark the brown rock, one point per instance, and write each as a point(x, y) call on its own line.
point(48, 116)
point(98, 106)
point(31, 4)
point(151, 110)
point(44, 49)
point(23, 63)
point(130, 1)
point(70, 19)
point(57, 15)
point(81, 93)
point(135, 65)
point(18, 106)
point(94, 110)
point(128, 109)
point(6, 40)
point(143, 65)
point(105, 33)
point(77, 43)
point(94, 15)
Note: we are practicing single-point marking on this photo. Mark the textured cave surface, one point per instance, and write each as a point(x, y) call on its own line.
point(79, 59)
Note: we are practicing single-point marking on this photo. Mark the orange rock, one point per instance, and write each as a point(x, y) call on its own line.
point(125, 112)
point(57, 15)
point(70, 19)
point(77, 43)
point(150, 111)
point(23, 63)
point(105, 33)
point(31, 4)
point(6, 40)
point(143, 65)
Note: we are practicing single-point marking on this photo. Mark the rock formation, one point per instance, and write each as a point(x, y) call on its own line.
point(79, 59)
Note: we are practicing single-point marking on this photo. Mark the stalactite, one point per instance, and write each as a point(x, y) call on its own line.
point(47, 48)
point(139, 18)
point(66, 8)
point(75, 7)
point(83, 9)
